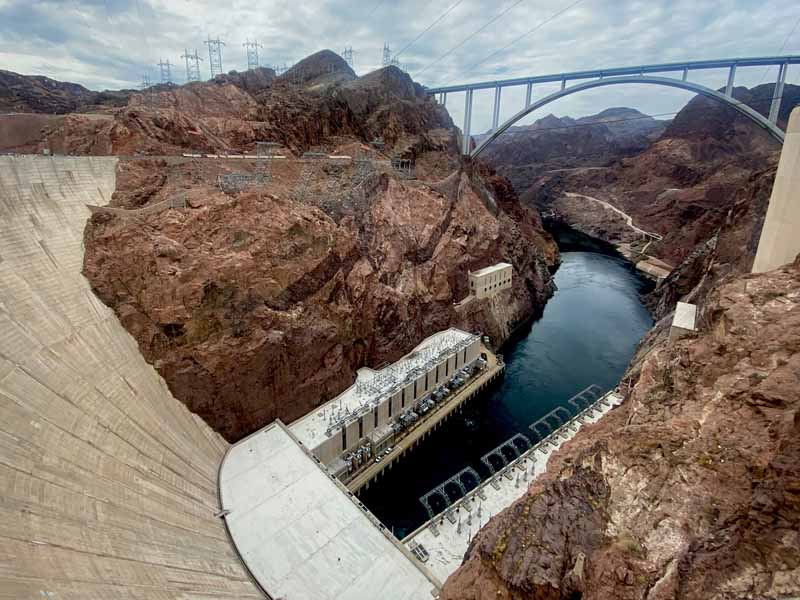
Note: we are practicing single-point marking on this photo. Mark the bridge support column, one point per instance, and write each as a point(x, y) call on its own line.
point(563, 84)
point(685, 74)
point(731, 77)
point(444, 98)
point(528, 95)
point(467, 122)
point(775, 109)
point(496, 109)
point(779, 243)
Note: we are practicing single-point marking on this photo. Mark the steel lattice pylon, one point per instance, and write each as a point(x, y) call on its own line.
point(517, 443)
point(265, 153)
point(457, 481)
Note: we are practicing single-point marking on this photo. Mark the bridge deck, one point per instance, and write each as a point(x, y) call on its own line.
point(722, 63)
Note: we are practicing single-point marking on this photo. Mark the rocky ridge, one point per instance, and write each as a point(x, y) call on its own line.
point(553, 143)
point(680, 186)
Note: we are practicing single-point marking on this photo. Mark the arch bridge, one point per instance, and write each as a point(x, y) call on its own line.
point(675, 75)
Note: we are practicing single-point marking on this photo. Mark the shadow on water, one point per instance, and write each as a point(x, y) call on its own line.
point(586, 335)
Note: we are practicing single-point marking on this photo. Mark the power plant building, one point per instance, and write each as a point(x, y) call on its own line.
point(490, 280)
point(366, 416)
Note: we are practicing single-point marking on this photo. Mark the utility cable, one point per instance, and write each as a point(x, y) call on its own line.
point(376, 7)
point(783, 47)
point(468, 38)
point(427, 29)
point(524, 35)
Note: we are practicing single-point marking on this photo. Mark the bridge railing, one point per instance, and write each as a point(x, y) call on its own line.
point(641, 71)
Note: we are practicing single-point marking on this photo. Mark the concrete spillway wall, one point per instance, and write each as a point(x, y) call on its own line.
point(108, 484)
point(780, 237)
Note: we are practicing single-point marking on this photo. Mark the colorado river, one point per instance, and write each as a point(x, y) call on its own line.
point(586, 335)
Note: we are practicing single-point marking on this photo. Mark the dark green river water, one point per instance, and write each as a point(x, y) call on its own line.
point(586, 335)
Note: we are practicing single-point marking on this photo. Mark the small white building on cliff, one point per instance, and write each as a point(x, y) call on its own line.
point(490, 280)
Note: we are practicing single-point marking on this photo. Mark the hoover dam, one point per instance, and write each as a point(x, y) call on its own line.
point(379, 368)
point(109, 483)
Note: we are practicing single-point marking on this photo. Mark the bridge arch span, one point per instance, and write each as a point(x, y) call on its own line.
point(753, 115)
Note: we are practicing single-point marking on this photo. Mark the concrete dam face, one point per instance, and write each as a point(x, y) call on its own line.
point(109, 484)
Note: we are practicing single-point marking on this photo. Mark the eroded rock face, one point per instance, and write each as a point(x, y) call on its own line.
point(690, 489)
point(263, 306)
point(681, 186)
point(728, 250)
point(524, 152)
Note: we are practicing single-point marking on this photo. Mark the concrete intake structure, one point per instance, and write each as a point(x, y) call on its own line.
point(780, 236)
point(109, 484)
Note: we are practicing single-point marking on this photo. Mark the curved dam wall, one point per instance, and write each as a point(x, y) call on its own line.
point(109, 484)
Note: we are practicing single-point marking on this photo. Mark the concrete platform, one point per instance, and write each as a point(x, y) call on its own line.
point(302, 535)
point(446, 542)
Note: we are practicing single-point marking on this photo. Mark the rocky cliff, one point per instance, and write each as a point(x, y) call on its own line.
point(37, 94)
point(552, 143)
point(681, 186)
point(263, 303)
point(690, 489)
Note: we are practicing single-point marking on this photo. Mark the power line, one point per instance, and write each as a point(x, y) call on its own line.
point(524, 35)
point(468, 38)
point(783, 47)
point(376, 7)
point(427, 29)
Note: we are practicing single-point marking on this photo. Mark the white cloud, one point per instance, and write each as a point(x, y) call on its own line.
point(111, 43)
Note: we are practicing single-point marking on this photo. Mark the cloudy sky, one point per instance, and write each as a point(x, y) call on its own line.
point(111, 43)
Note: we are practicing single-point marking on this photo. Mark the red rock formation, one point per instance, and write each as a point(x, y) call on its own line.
point(37, 94)
point(690, 489)
point(682, 186)
point(263, 304)
point(524, 152)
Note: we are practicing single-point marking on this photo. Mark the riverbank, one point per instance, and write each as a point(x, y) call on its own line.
point(628, 240)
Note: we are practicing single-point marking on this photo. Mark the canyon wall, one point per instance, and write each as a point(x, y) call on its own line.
point(687, 490)
point(680, 185)
point(263, 303)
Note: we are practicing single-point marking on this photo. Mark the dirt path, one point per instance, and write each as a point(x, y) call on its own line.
point(624, 215)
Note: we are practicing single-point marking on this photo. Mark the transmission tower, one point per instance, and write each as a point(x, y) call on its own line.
point(387, 55)
point(147, 93)
point(265, 151)
point(252, 54)
point(166, 71)
point(192, 65)
point(215, 56)
point(348, 56)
